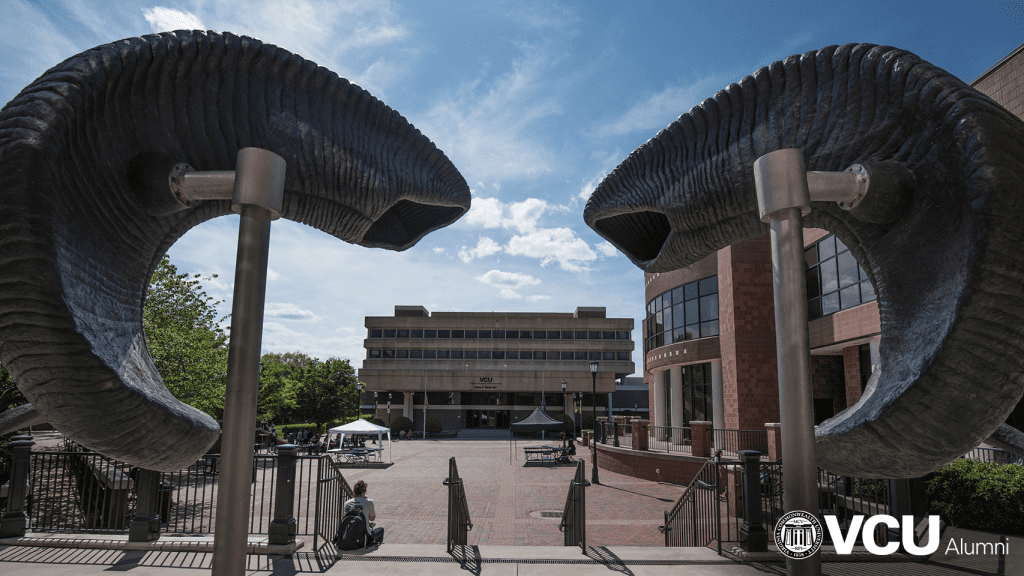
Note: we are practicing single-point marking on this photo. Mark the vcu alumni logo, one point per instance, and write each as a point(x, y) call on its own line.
point(798, 534)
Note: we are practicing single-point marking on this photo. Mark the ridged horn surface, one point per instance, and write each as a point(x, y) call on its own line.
point(78, 243)
point(948, 273)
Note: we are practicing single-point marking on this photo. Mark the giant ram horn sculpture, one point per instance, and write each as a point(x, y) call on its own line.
point(84, 218)
point(948, 270)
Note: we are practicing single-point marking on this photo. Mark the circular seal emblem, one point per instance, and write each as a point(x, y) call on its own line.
point(798, 534)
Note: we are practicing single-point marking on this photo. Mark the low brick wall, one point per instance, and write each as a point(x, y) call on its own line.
point(674, 468)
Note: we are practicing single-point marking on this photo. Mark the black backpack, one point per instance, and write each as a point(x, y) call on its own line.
point(351, 531)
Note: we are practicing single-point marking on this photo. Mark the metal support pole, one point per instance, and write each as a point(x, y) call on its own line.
point(752, 532)
point(783, 198)
point(282, 527)
point(14, 521)
point(259, 189)
point(593, 473)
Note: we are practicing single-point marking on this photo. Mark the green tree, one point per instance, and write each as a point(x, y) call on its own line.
point(279, 384)
point(184, 338)
point(327, 391)
point(10, 396)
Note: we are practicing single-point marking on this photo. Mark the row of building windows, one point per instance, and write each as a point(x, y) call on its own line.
point(494, 355)
point(685, 312)
point(835, 281)
point(505, 399)
point(696, 391)
point(502, 334)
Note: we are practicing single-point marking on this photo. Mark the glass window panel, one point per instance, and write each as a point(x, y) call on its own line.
point(829, 276)
point(376, 333)
point(830, 304)
point(470, 355)
point(494, 334)
point(430, 333)
point(373, 353)
point(566, 355)
point(512, 355)
point(416, 334)
point(554, 334)
point(666, 299)
point(693, 332)
point(867, 291)
point(428, 354)
point(708, 285)
point(566, 334)
point(849, 296)
point(443, 354)
point(814, 309)
point(690, 290)
point(581, 335)
point(608, 335)
point(415, 353)
point(659, 340)
point(401, 353)
point(593, 355)
point(487, 354)
point(827, 247)
point(692, 312)
point(608, 355)
point(650, 307)
point(539, 335)
point(389, 354)
point(444, 333)
point(679, 335)
point(659, 302)
point(403, 333)
point(811, 255)
point(512, 334)
point(622, 335)
point(709, 307)
point(696, 373)
point(581, 355)
point(478, 334)
point(687, 404)
point(389, 333)
point(538, 355)
point(840, 247)
point(709, 329)
point(659, 322)
point(458, 333)
point(847, 269)
point(527, 334)
point(592, 335)
point(666, 316)
point(622, 356)
point(678, 317)
point(456, 354)
point(813, 286)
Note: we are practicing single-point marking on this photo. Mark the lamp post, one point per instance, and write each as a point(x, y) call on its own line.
point(389, 410)
point(563, 411)
point(359, 399)
point(593, 378)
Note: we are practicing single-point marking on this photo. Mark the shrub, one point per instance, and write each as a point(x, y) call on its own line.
point(570, 426)
point(399, 424)
point(434, 425)
point(979, 495)
point(378, 422)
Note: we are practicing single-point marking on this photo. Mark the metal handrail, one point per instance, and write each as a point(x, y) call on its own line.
point(732, 441)
point(698, 501)
point(574, 514)
point(459, 522)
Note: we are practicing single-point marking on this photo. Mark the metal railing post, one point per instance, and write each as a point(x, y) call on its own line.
point(615, 434)
point(752, 533)
point(283, 526)
point(145, 525)
point(14, 522)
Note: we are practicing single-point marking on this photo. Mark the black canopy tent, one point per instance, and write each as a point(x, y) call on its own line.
point(538, 421)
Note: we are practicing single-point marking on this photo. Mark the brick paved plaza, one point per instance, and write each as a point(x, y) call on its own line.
point(504, 500)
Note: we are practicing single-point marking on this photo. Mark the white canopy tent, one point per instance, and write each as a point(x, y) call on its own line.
point(363, 427)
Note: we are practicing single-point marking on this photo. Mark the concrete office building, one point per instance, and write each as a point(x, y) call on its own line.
point(709, 334)
point(489, 369)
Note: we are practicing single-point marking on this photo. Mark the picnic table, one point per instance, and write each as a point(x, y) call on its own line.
point(545, 454)
point(353, 455)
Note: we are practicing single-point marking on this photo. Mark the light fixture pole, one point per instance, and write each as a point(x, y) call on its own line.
point(593, 378)
point(563, 409)
point(359, 399)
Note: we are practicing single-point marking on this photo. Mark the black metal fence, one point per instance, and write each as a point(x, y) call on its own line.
point(574, 515)
point(696, 518)
point(732, 441)
point(994, 455)
point(459, 522)
point(670, 439)
point(76, 490)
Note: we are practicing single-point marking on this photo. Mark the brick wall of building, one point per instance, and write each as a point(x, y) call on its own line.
point(829, 380)
point(851, 374)
point(645, 465)
point(746, 320)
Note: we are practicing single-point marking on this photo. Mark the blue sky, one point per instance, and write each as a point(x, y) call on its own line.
point(534, 102)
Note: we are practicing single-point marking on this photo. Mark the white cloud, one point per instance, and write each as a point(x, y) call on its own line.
point(607, 250)
point(272, 276)
point(163, 19)
point(537, 298)
point(553, 245)
point(521, 216)
point(286, 311)
point(484, 248)
point(499, 279)
point(510, 294)
point(440, 251)
point(660, 109)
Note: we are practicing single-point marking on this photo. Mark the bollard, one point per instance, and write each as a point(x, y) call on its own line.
point(14, 522)
point(283, 526)
point(145, 525)
point(752, 532)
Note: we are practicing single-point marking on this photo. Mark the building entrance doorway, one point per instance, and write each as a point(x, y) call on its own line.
point(487, 419)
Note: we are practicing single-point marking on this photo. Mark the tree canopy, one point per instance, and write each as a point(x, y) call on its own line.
point(185, 339)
